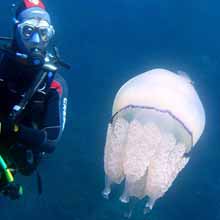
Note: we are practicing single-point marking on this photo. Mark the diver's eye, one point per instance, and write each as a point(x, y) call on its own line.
point(27, 31)
point(44, 33)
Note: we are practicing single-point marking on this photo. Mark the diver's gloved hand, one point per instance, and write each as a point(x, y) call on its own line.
point(13, 191)
point(7, 128)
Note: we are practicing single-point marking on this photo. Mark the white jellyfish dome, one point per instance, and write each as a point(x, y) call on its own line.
point(157, 118)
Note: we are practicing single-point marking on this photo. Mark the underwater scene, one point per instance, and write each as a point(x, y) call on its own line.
point(143, 113)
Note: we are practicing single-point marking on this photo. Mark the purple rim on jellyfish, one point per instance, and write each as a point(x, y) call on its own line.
point(158, 110)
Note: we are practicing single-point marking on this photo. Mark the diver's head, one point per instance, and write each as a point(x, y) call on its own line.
point(33, 29)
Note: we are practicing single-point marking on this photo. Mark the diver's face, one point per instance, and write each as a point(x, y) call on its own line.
point(33, 35)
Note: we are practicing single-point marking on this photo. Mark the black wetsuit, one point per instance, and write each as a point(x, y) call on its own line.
point(40, 125)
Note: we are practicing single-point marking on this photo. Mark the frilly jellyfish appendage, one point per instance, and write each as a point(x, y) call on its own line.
point(136, 160)
point(114, 151)
point(151, 131)
point(164, 167)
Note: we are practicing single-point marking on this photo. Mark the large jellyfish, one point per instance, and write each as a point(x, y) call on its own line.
point(157, 119)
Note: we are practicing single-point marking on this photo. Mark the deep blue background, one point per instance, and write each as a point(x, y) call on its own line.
point(107, 43)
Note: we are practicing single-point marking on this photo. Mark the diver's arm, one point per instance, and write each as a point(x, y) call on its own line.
point(45, 138)
point(31, 138)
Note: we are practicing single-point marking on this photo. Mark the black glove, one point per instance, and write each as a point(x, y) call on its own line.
point(8, 128)
point(13, 191)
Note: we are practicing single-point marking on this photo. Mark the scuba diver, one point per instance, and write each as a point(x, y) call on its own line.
point(33, 103)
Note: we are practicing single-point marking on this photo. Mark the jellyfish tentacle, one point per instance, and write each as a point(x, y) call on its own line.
point(130, 207)
point(149, 205)
point(107, 190)
point(125, 197)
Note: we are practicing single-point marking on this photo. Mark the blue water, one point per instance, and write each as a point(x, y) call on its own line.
point(107, 43)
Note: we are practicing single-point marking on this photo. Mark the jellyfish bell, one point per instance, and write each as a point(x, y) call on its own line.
point(157, 118)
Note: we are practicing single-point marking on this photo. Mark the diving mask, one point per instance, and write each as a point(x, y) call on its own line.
point(28, 28)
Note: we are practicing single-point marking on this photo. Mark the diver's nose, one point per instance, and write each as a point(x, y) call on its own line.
point(35, 38)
